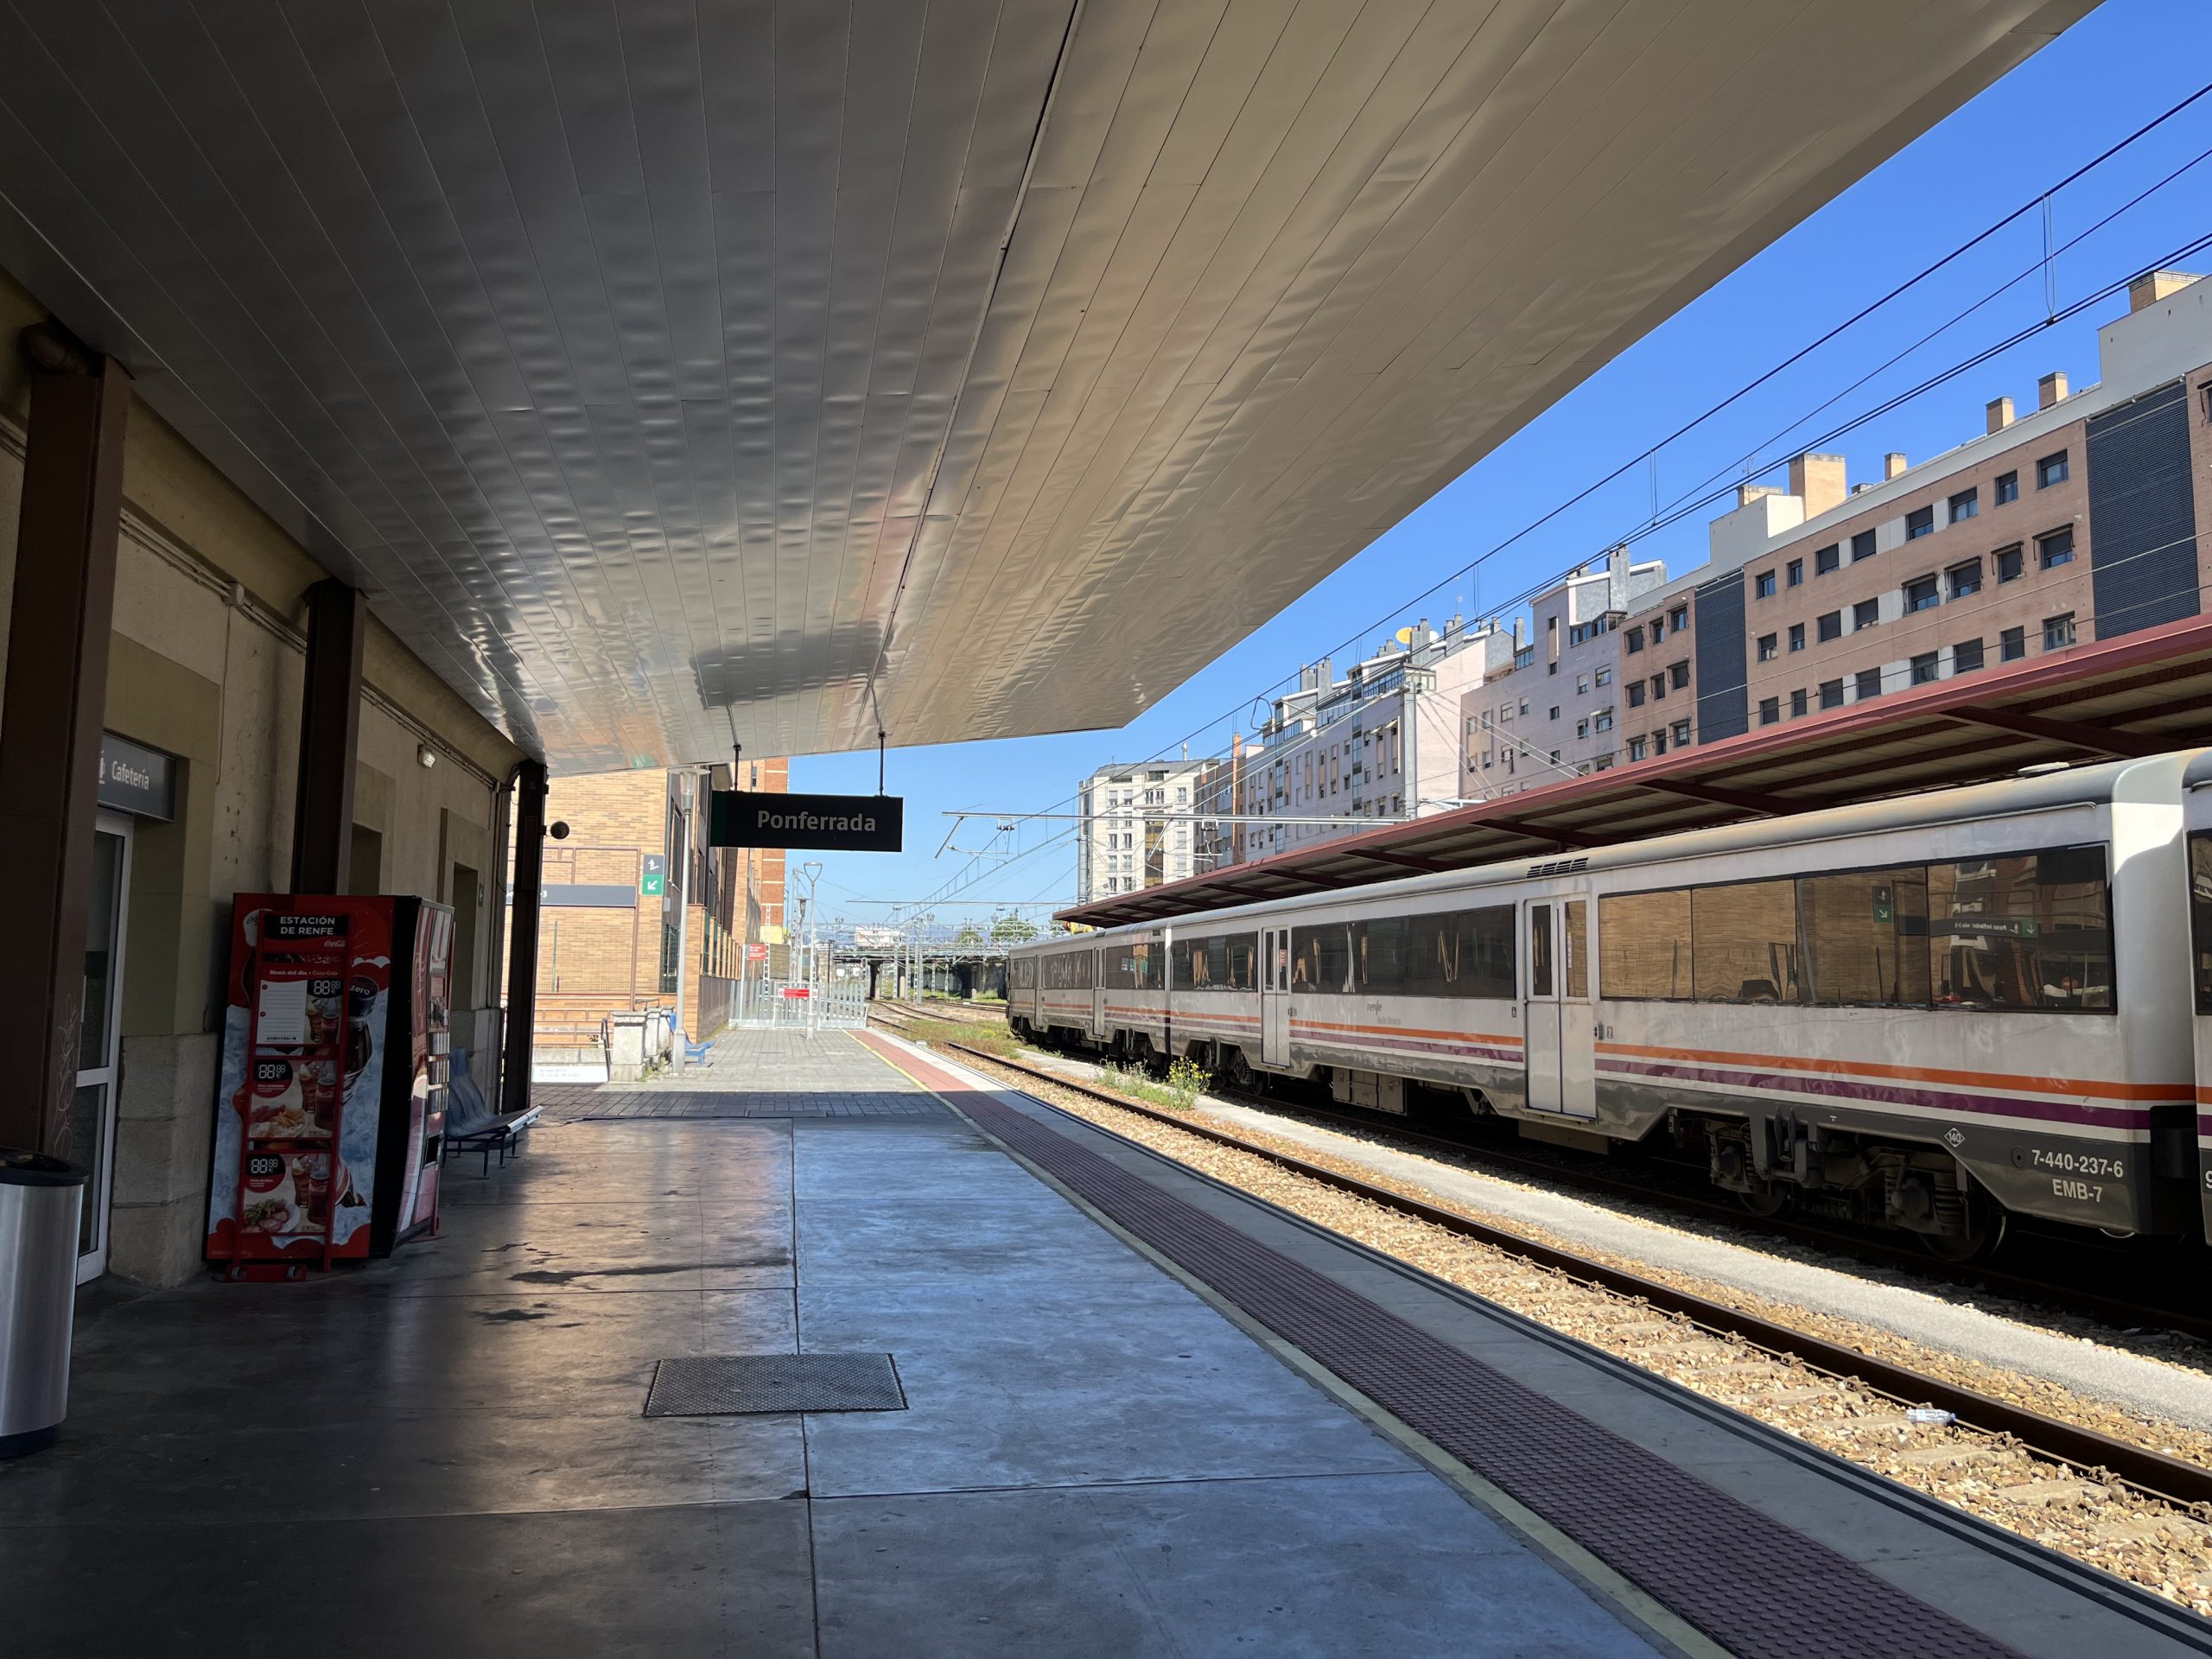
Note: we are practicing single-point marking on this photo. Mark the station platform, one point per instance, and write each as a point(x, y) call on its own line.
point(1130, 1412)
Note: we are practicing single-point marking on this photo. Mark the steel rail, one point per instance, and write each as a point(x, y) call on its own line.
point(2154, 1473)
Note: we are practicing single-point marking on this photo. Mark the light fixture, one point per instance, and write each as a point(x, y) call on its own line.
point(426, 756)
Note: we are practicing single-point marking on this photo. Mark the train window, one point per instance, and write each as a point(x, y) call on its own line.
point(1379, 954)
point(1461, 953)
point(2200, 915)
point(1863, 933)
point(1540, 950)
point(1243, 963)
point(1745, 940)
point(1643, 944)
point(1577, 951)
point(2032, 930)
point(1131, 966)
point(1321, 958)
point(1021, 973)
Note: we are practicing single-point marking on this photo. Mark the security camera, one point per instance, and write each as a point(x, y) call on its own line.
point(558, 831)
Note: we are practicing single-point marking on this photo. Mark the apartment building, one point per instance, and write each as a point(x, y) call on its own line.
point(1374, 746)
point(1136, 829)
point(2080, 520)
point(1555, 711)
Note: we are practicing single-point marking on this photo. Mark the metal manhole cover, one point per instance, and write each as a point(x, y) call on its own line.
point(727, 1385)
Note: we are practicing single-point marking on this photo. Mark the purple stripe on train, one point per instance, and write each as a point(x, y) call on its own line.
point(2116, 1117)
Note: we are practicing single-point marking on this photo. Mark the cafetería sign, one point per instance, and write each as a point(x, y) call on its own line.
point(836, 823)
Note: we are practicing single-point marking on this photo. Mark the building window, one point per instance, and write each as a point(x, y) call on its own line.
point(1830, 626)
point(1555, 714)
point(1678, 675)
point(1866, 613)
point(1965, 504)
point(1862, 546)
point(1605, 677)
point(1582, 727)
point(1964, 579)
point(2008, 487)
point(1793, 575)
point(1605, 722)
point(1920, 522)
point(1870, 684)
point(1554, 757)
point(1923, 668)
point(1659, 741)
point(1582, 685)
point(1966, 657)
point(1636, 748)
point(1635, 694)
point(2007, 560)
point(2050, 470)
point(1678, 618)
point(2058, 632)
point(1825, 560)
point(1658, 687)
point(1769, 710)
point(1524, 707)
point(2055, 548)
point(2012, 644)
point(1636, 638)
point(1682, 734)
point(1920, 595)
point(1831, 694)
point(1770, 647)
point(1796, 702)
point(1762, 584)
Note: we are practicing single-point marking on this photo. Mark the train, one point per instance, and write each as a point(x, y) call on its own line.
point(1937, 1013)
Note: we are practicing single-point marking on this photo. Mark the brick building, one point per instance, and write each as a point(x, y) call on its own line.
point(2081, 520)
point(611, 927)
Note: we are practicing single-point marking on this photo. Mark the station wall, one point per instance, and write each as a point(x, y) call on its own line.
point(206, 663)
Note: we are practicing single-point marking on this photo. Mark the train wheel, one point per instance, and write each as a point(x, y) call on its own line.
point(1767, 1201)
point(1984, 1231)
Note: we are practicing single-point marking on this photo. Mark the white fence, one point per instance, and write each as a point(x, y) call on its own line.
point(838, 1003)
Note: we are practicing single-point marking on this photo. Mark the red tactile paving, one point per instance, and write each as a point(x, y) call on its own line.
point(1757, 1586)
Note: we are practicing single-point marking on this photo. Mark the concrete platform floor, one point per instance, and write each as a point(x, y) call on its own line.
point(444, 1452)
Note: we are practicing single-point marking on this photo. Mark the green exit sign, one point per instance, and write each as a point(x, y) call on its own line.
point(652, 881)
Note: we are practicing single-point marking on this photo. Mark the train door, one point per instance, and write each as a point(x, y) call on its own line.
point(1559, 1039)
point(1097, 984)
point(1274, 996)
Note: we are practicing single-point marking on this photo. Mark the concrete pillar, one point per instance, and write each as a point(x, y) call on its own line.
point(522, 935)
point(50, 727)
point(330, 740)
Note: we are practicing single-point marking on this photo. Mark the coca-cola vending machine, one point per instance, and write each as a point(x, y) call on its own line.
point(330, 1109)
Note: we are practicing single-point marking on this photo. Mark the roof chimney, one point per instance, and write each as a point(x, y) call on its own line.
point(2000, 414)
point(2155, 285)
point(2050, 389)
point(1893, 465)
point(1817, 480)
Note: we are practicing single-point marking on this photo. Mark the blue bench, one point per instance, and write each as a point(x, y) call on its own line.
point(473, 1126)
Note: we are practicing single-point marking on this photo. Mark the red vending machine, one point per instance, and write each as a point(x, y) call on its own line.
point(331, 1104)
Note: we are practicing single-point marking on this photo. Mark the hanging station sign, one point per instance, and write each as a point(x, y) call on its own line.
point(652, 878)
point(836, 824)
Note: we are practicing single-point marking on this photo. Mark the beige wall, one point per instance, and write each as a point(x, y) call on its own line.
point(206, 662)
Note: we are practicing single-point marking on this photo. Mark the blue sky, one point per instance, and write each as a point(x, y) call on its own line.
point(2115, 70)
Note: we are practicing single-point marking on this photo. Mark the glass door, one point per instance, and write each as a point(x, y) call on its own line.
point(92, 1118)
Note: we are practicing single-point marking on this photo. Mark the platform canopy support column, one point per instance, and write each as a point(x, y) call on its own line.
point(522, 935)
point(330, 738)
point(64, 605)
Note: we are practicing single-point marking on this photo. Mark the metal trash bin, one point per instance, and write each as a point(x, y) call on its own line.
point(40, 1200)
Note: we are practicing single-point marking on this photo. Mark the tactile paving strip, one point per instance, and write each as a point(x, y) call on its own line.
point(730, 1385)
point(1754, 1584)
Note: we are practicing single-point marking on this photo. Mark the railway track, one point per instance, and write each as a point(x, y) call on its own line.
point(2058, 1285)
point(1745, 1341)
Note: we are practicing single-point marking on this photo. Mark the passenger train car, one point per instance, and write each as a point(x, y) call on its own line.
point(1929, 1013)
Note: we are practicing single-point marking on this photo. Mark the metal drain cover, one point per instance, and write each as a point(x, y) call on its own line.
point(729, 1385)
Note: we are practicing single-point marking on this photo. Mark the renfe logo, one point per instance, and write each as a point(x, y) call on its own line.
point(843, 824)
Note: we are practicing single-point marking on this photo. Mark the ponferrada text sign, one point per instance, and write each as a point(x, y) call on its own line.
point(838, 824)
